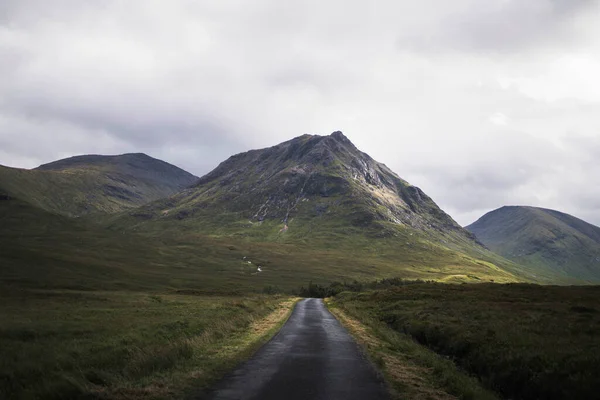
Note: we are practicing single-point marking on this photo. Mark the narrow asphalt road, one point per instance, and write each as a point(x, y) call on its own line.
point(312, 357)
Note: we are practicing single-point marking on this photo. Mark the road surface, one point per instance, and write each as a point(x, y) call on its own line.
point(312, 357)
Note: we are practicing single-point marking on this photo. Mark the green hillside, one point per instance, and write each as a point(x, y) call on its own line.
point(86, 184)
point(314, 208)
point(340, 212)
point(547, 242)
point(41, 250)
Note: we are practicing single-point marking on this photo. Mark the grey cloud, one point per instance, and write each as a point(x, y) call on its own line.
point(499, 26)
point(485, 175)
point(194, 82)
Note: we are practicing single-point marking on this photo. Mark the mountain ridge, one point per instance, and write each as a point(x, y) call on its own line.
point(87, 184)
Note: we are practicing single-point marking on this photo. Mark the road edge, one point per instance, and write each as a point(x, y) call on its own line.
point(409, 374)
point(246, 345)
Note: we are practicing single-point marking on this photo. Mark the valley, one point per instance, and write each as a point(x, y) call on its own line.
point(124, 277)
point(299, 200)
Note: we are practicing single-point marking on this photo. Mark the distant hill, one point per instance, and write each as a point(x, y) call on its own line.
point(322, 193)
point(544, 241)
point(92, 183)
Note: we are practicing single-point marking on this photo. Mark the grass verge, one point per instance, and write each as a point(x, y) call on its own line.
point(127, 345)
point(411, 370)
point(522, 341)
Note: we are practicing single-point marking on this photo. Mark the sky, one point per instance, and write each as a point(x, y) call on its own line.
point(480, 103)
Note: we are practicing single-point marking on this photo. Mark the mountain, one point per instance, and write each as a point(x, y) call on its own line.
point(310, 177)
point(350, 214)
point(545, 241)
point(92, 183)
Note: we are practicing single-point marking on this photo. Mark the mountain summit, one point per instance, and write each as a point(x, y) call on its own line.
point(138, 165)
point(547, 242)
point(323, 192)
point(315, 175)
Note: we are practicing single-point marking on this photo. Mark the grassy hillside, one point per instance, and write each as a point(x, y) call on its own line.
point(544, 241)
point(88, 184)
point(340, 212)
point(521, 341)
point(44, 250)
point(313, 208)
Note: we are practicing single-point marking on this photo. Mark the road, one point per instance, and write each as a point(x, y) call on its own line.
point(312, 357)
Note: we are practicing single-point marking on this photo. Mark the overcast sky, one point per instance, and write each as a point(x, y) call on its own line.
point(481, 103)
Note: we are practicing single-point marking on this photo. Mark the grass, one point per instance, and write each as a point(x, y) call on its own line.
point(521, 341)
point(329, 249)
point(126, 345)
point(105, 313)
point(46, 251)
point(92, 313)
point(411, 370)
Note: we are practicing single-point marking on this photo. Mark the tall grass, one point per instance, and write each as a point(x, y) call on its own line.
point(68, 344)
point(522, 341)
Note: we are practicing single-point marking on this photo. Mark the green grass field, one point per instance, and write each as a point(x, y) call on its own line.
point(521, 341)
point(125, 345)
point(90, 313)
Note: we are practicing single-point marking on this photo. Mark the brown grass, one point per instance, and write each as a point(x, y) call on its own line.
point(259, 331)
point(276, 318)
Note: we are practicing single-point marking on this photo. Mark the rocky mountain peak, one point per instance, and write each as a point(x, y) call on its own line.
point(338, 135)
point(313, 175)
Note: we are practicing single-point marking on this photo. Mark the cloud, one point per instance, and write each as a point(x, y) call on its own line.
point(499, 118)
point(504, 26)
point(480, 103)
